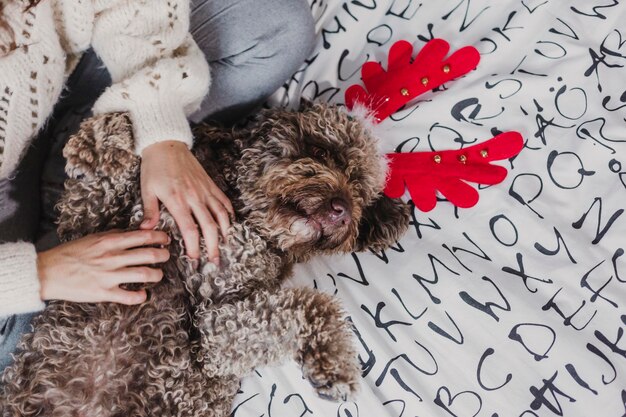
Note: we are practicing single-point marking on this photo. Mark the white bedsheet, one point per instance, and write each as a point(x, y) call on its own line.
point(515, 307)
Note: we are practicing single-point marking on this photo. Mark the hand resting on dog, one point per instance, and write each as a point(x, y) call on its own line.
point(91, 269)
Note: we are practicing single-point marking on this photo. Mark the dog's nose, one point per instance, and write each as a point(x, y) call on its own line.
point(339, 211)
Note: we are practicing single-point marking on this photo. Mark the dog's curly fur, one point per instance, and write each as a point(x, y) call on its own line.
point(183, 352)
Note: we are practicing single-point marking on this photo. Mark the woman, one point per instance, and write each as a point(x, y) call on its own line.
point(145, 58)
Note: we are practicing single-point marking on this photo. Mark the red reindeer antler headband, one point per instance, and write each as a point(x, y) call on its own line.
point(425, 173)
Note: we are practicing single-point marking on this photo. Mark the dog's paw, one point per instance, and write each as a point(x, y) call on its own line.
point(335, 391)
point(332, 368)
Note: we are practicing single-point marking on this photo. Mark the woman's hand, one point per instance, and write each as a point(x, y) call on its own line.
point(91, 269)
point(171, 174)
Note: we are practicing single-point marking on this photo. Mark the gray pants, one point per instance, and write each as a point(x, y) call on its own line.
point(252, 46)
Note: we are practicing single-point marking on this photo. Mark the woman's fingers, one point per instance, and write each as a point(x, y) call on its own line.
point(209, 231)
point(220, 213)
point(138, 274)
point(134, 239)
point(120, 296)
point(187, 226)
point(221, 197)
point(83, 270)
point(135, 257)
point(150, 209)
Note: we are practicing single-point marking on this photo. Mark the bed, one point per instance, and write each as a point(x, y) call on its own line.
point(515, 307)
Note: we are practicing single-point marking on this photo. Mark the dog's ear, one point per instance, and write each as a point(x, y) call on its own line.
point(103, 173)
point(382, 224)
point(305, 104)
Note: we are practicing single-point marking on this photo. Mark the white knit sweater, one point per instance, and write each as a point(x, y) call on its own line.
point(159, 77)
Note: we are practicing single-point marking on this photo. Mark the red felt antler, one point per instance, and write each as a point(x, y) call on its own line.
point(425, 173)
point(404, 80)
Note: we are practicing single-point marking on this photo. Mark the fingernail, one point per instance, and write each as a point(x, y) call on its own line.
point(216, 261)
point(169, 239)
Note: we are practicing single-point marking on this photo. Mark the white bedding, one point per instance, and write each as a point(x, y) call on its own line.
point(447, 324)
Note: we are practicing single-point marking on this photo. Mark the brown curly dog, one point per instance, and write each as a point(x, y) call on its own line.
point(303, 183)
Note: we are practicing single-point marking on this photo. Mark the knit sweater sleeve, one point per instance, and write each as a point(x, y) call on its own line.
point(19, 283)
point(160, 76)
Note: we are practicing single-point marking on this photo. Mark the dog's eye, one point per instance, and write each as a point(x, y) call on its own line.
point(318, 151)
